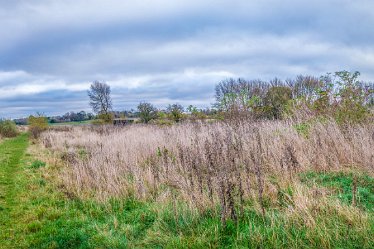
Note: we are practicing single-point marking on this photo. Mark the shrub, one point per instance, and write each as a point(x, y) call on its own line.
point(166, 122)
point(353, 96)
point(8, 128)
point(343, 97)
point(276, 100)
point(104, 118)
point(147, 112)
point(37, 125)
point(175, 112)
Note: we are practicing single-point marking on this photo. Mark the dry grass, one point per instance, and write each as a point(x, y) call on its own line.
point(206, 164)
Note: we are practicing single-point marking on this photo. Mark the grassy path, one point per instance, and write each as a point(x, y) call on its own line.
point(11, 154)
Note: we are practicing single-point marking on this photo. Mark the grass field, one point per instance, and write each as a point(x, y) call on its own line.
point(36, 211)
point(74, 123)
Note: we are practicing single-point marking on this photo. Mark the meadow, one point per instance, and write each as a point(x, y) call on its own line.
point(237, 184)
point(277, 165)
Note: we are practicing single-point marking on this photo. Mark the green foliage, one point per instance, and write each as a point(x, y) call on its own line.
point(196, 113)
point(37, 125)
point(276, 100)
point(147, 112)
point(350, 112)
point(324, 95)
point(175, 112)
point(303, 129)
point(8, 128)
point(162, 122)
point(103, 118)
point(162, 115)
point(345, 98)
point(352, 108)
point(254, 101)
point(340, 95)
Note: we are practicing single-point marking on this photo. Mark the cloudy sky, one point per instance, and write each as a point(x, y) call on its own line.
point(168, 51)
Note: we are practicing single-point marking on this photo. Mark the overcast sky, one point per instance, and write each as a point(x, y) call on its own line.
point(168, 51)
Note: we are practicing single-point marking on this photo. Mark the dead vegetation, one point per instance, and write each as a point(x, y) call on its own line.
point(206, 165)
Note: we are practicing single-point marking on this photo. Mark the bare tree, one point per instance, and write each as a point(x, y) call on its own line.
point(236, 94)
point(305, 87)
point(100, 99)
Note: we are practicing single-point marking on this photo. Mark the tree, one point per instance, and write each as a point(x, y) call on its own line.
point(100, 99)
point(81, 116)
point(192, 109)
point(175, 111)
point(351, 98)
point(305, 88)
point(276, 100)
point(234, 95)
point(147, 112)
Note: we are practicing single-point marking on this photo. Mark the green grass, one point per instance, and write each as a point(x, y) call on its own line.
point(37, 214)
point(11, 154)
point(37, 164)
point(72, 123)
point(341, 186)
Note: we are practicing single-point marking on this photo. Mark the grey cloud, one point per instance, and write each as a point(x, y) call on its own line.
point(171, 51)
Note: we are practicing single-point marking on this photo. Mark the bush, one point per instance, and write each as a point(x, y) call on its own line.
point(104, 118)
point(147, 112)
point(162, 122)
point(276, 101)
point(175, 112)
point(8, 128)
point(37, 125)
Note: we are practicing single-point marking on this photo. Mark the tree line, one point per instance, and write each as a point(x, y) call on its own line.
point(340, 94)
point(101, 103)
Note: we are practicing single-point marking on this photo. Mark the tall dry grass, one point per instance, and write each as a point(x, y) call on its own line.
point(205, 164)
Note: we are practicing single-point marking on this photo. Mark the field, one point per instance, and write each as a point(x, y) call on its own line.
point(71, 123)
point(239, 184)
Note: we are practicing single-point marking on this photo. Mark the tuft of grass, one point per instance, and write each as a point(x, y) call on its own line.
point(37, 164)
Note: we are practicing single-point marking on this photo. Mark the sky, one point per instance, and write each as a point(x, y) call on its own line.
point(170, 51)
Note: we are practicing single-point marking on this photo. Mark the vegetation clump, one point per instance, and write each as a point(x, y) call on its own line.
point(37, 164)
point(37, 124)
point(8, 128)
point(341, 96)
